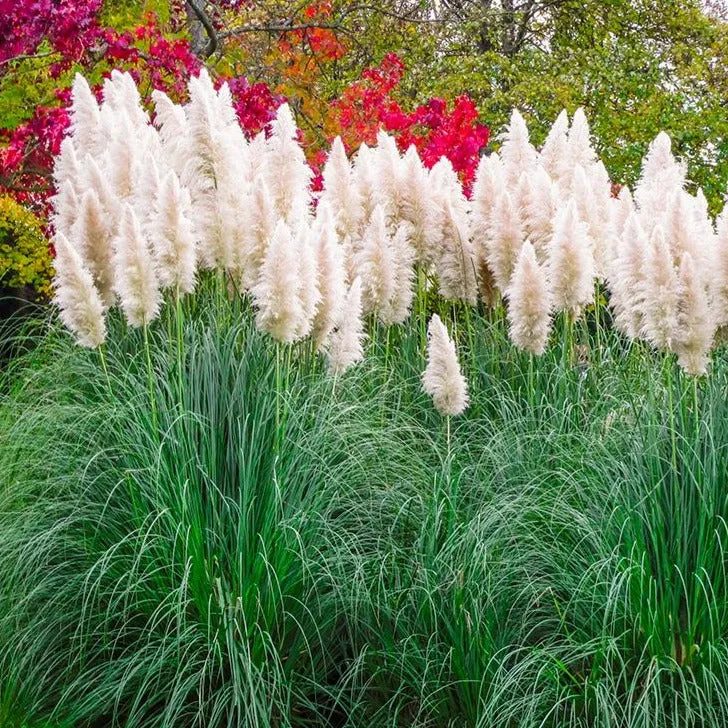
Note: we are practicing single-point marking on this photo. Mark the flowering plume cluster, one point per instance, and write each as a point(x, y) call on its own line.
point(546, 229)
point(668, 272)
point(146, 205)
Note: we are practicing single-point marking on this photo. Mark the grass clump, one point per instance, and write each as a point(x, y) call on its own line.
point(254, 542)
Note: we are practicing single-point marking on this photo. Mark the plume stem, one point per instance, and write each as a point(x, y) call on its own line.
point(150, 376)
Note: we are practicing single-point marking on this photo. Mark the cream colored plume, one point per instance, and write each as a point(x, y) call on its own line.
point(67, 167)
point(341, 192)
point(621, 207)
point(276, 293)
point(92, 236)
point(135, 278)
point(695, 324)
point(171, 121)
point(376, 265)
point(662, 176)
point(506, 241)
point(579, 146)
point(555, 151)
point(66, 206)
point(389, 174)
point(571, 263)
point(287, 173)
point(331, 276)
point(81, 309)
point(417, 197)
point(517, 153)
point(259, 219)
point(345, 347)
point(308, 281)
point(173, 240)
point(442, 378)
point(529, 303)
point(487, 186)
point(456, 264)
point(87, 130)
point(627, 276)
point(660, 292)
point(538, 209)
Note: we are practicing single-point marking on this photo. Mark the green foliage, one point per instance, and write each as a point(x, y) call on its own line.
point(287, 549)
point(636, 67)
point(25, 258)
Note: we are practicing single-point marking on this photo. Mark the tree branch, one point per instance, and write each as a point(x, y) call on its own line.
point(204, 20)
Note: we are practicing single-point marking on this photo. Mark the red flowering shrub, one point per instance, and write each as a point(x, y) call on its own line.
point(71, 30)
point(368, 105)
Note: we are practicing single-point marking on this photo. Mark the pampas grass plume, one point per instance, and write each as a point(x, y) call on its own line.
point(442, 378)
point(345, 346)
point(173, 239)
point(136, 279)
point(276, 294)
point(81, 308)
point(529, 303)
point(695, 323)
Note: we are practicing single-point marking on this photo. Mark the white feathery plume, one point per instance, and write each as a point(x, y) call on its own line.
point(66, 205)
point(135, 278)
point(579, 148)
point(660, 294)
point(529, 303)
point(367, 183)
point(259, 220)
point(506, 240)
point(683, 233)
point(621, 207)
point(81, 309)
point(417, 198)
point(173, 240)
point(345, 346)
point(147, 190)
point(517, 153)
point(456, 264)
point(341, 192)
point(97, 181)
point(626, 281)
point(121, 98)
point(695, 324)
point(571, 263)
point(331, 276)
point(92, 236)
point(538, 208)
point(389, 175)
point(555, 151)
point(661, 175)
point(276, 294)
point(67, 167)
point(171, 121)
point(487, 185)
point(449, 242)
point(442, 378)
point(703, 221)
point(404, 256)
point(308, 284)
point(214, 173)
point(123, 160)
point(287, 173)
point(375, 265)
point(87, 128)
point(593, 218)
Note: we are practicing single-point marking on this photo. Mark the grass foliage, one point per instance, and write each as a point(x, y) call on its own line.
point(241, 539)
